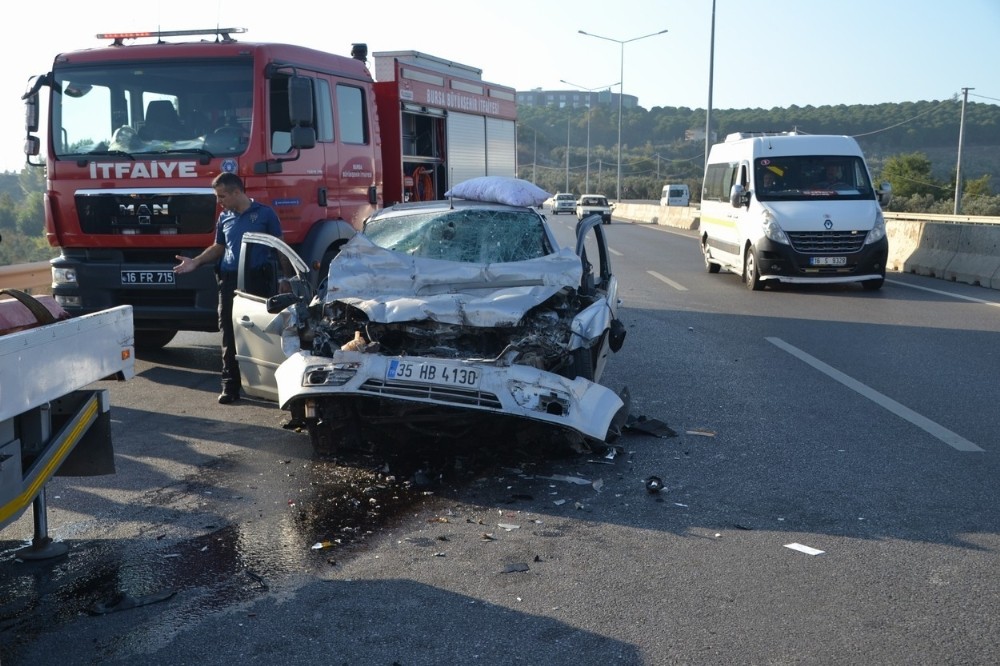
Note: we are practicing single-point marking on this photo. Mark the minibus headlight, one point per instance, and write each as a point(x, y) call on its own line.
point(877, 232)
point(774, 231)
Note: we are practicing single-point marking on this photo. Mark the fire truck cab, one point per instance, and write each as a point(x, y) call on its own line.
point(136, 133)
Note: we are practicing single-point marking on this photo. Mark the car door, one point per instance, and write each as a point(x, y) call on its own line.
point(258, 333)
point(598, 279)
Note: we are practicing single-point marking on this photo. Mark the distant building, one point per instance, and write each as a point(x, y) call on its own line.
point(698, 135)
point(575, 99)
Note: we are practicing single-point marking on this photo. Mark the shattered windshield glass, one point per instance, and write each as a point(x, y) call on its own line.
point(464, 235)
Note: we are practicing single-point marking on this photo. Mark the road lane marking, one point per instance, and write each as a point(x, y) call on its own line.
point(946, 293)
point(663, 278)
point(925, 424)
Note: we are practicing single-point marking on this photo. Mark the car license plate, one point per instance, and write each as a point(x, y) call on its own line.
point(156, 278)
point(827, 261)
point(433, 372)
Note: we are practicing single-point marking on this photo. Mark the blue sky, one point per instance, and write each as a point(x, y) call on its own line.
point(768, 53)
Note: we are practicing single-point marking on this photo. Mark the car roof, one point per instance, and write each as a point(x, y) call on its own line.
point(443, 205)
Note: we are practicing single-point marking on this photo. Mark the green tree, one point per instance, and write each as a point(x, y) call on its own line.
point(979, 187)
point(910, 174)
point(8, 212)
point(31, 215)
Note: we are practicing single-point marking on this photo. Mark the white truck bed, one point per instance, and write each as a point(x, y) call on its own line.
point(41, 364)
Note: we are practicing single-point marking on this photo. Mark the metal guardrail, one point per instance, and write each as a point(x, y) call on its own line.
point(945, 219)
point(35, 277)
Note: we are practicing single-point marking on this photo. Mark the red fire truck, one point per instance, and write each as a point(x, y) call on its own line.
point(136, 133)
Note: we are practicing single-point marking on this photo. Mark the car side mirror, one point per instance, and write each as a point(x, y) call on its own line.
point(884, 194)
point(738, 195)
point(279, 302)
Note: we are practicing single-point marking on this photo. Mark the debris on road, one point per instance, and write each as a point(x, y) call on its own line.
point(654, 485)
point(804, 549)
point(516, 567)
point(654, 427)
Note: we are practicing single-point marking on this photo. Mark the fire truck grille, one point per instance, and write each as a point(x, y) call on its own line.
point(827, 242)
point(140, 213)
point(153, 298)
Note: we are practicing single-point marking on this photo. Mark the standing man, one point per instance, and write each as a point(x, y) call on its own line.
point(240, 214)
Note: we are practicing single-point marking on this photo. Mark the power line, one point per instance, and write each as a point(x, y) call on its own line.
point(886, 129)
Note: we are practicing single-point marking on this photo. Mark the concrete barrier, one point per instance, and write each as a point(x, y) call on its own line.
point(923, 248)
point(977, 258)
point(682, 217)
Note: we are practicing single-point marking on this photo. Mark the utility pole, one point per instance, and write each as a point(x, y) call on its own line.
point(534, 157)
point(961, 140)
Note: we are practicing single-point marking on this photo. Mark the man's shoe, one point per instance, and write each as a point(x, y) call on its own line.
point(227, 398)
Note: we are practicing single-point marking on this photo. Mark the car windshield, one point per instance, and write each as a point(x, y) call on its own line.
point(595, 201)
point(807, 177)
point(480, 235)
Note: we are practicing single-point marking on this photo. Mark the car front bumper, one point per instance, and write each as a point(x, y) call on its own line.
point(519, 391)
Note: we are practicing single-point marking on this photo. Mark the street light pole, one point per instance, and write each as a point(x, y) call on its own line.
point(590, 106)
point(621, 91)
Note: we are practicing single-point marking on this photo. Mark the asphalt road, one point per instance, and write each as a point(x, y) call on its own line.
point(859, 424)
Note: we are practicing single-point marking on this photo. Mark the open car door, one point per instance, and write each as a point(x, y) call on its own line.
point(258, 332)
point(600, 283)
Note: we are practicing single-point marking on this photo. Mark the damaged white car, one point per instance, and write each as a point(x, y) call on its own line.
point(445, 318)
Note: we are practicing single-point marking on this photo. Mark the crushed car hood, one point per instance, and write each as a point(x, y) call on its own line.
point(394, 287)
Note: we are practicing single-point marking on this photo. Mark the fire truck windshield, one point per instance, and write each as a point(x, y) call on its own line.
point(132, 109)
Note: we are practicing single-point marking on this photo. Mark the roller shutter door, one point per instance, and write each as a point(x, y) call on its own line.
point(500, 148)
point(466, 147)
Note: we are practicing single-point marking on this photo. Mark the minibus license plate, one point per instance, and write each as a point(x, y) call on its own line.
point(827, 261)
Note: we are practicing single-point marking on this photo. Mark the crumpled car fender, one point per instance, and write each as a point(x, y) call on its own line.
point(590, 324)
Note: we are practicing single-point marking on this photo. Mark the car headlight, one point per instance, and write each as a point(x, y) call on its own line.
point(773, 230)
point(333, 374)
point(63, 275)
point(877, 232)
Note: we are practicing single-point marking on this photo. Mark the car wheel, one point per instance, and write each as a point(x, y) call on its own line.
point(710, 265)
point(751, 272)
point(150, 339)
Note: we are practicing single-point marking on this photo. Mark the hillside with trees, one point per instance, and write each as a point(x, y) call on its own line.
point(913, 145)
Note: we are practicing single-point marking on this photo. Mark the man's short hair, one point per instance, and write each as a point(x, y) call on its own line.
point(228, 180)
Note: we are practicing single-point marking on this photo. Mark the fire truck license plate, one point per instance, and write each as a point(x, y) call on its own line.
point(156, 278)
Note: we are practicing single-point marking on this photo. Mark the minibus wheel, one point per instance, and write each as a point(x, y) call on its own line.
point(751, 274)
point(710, 265)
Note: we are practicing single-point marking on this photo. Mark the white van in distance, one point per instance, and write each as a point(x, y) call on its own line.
point(793, 208)
point(675, 194)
